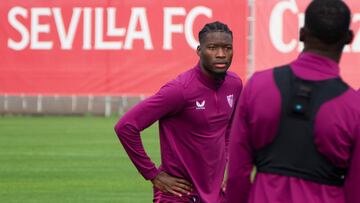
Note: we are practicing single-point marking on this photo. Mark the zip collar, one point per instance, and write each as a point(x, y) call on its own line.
point(208, 81)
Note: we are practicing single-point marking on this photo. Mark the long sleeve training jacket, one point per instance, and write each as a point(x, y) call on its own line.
point(193, 113)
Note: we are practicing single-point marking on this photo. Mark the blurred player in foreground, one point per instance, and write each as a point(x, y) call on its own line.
point(299, 124)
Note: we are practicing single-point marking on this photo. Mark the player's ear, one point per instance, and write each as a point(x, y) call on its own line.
point(349, 37)
point(302, 35)
point(198, 50)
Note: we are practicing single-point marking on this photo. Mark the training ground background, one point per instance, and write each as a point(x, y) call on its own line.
point(69, 159)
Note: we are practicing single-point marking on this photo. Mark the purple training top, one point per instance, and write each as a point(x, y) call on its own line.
point(255, 123)
point(194, 113)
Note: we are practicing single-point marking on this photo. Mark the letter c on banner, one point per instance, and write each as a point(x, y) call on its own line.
point(189, 23)
point(276, 25)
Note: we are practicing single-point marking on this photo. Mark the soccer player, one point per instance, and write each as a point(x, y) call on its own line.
point(299, 124)
point(193, 111)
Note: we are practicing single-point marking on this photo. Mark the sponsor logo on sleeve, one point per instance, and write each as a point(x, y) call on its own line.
point(200, 105)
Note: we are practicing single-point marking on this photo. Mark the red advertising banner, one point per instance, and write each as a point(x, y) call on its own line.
point(276, 36)
point(107, 46)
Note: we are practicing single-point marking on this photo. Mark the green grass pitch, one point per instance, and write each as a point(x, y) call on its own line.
point(69, 159)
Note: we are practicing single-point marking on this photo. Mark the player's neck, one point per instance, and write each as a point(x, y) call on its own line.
point(335, 56)
point(212, 75)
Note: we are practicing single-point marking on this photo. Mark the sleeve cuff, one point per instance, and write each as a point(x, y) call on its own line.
point(151, 174)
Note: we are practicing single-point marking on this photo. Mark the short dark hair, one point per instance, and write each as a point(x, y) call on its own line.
point(213, 27)
point(328, 20)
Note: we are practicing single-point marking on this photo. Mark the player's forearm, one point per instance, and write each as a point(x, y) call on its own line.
point(129, 137)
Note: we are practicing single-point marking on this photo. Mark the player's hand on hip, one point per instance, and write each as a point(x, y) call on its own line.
point(176, 186)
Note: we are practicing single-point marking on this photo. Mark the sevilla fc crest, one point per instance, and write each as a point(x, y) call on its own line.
point(230, 99)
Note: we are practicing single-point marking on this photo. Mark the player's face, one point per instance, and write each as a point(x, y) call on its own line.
point(216, 53)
